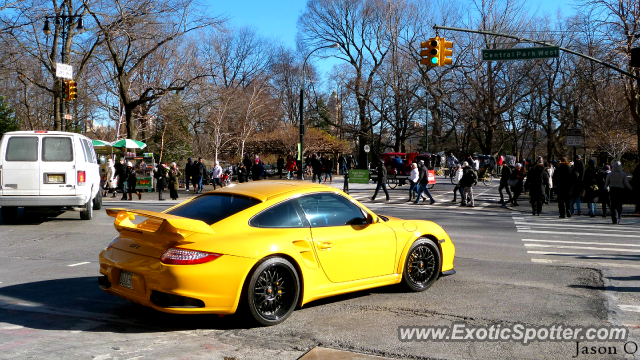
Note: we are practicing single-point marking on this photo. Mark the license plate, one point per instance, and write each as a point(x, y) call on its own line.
point(55, 178)
point(125, 279)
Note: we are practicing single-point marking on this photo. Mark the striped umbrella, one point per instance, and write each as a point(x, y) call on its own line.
point(129, 144)
point(97, 143)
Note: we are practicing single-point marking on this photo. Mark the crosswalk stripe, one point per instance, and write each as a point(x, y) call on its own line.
point(606, 226)
point(581, 247)
point(585, 263)
point(634, 308)
point(579, 242)
point(578, 233)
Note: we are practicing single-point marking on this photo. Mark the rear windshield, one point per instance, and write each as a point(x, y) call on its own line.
point(214, 207)
point(57, 149)
point(22, 149)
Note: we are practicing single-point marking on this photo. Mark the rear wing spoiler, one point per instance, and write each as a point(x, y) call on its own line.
point(156, 222)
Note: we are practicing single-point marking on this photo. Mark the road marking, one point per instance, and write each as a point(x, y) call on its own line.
point(577, 233)
point(579, 263)
point(7, 326)
point(581, 247)
point(606, 226)
point(634, 308)
point(579, 242)
point(82, 263)
point(85, 325)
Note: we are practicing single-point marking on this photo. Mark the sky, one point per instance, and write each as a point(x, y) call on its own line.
point(277, 19)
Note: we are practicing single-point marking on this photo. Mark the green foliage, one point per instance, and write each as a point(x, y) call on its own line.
point(319, 117)
point(8, 122)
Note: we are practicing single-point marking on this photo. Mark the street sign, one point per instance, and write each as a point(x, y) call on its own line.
point(359, 176)
point(64, 71)
point(574, 137)
point(367, 148)
point(68, 117)
point(520, 54)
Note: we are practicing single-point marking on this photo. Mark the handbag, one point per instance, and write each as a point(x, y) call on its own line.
point(112, 184)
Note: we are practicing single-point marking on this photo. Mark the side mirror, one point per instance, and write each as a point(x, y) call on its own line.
point(371, 219)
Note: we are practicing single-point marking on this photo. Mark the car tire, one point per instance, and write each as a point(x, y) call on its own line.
point(422, 265)
point(97, 201)
point(87, 213)
point(9, 214)
point(273, 291)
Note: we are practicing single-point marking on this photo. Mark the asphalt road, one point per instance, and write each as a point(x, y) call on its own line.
point(511, 268)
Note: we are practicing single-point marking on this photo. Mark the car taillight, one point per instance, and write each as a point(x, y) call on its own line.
point(175, 256)
point(82, 177)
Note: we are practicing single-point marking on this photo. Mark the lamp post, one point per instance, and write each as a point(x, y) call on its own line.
point(63, 22)
point(301, 145)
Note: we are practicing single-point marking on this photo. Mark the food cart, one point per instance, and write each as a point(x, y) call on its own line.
point(144, 165)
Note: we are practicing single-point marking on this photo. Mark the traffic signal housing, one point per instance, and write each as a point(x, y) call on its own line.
point(446, 49)
point(65, 90)
point(73, 90)
point(430, 52)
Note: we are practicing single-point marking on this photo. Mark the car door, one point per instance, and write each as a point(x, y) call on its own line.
point(348, 247)
point(57, 167)
point(21, 167)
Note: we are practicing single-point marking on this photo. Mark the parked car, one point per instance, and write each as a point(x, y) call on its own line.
point(48, 172)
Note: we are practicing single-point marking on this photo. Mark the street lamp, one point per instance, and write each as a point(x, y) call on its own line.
point(301, 148)
point(63, 22)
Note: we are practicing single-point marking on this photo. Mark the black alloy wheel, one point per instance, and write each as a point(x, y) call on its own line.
point(273, 291)
point(422, 266)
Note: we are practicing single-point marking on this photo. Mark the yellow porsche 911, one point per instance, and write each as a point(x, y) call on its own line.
point(267, 246)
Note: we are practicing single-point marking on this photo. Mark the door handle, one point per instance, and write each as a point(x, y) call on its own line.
point(324, 245)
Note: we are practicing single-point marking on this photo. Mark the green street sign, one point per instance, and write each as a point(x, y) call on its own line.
point(520, 54)
point(359, 176)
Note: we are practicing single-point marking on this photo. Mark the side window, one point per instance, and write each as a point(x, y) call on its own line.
point(22, 148)
point(283, 215)
point(327, 209)
point(57, 148)
point(88, 149)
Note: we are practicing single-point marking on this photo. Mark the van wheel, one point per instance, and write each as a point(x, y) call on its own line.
point(97, 201)
point(9, 214)
point(87, 213)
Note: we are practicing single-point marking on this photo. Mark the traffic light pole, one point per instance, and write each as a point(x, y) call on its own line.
point(543, 43)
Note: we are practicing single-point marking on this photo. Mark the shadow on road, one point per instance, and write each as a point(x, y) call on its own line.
point(627, 289)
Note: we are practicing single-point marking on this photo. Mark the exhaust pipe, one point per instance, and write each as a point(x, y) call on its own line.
point(104, 282)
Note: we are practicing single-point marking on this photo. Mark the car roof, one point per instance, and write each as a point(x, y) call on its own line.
point(44, 132)
point(265, 189)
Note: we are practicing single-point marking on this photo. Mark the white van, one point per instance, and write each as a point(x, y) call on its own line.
point(48, 172)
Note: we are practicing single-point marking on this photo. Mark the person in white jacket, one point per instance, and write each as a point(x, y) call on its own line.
point(456, 180)
point(109, 182)
point(217, 173)
point(414, 175)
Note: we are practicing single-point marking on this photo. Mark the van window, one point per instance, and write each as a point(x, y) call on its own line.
point(22, 148)
point(87, 151)
point(57, 149)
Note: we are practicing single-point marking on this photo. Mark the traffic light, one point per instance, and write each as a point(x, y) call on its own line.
point(446, 49)
point(430, 52)
point(65, 91)
point(73, 90)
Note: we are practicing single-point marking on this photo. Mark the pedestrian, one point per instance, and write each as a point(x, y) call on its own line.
point(121, 171)
point(563, 180)
point(576, 194)
point(414, 176)
point(110, 182)
point(197, 175)
point(257, 170)
point(505, 177)
point(382, 180)
point(501, 162)
point(351, 162)
point(457, 176)
point(635, 184)
point(452, 162)
point(247, 163)
point(242, 173)
point(616, 182)
point(603, 196)
point(341, 164)
point(187, 173)
point(290, 167)
point(307, 165)
point(515, 182)
point(328, 170)
point(174, 175)
point(280, 165)
point(591, 195)
point(548, 189)
point(216, 175)
point(316, 166)
point(423, 183)
point(161, 180)
point(131, 181)
point(537, 181)
point(468, 180)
